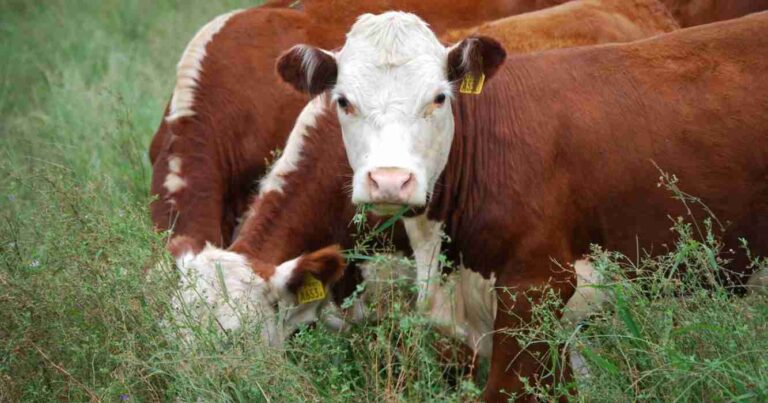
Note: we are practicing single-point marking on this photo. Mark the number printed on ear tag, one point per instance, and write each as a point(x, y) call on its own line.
point(312, 290)
point(472, 84)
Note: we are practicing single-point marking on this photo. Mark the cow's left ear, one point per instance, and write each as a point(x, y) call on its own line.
point(475, 55)
point(304, 274)
point(308, 69)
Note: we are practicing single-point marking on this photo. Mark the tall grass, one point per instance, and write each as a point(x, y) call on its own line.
point(85, 285)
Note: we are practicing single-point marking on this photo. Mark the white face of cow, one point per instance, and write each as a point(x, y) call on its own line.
point(392, 93)
point(222, 285)
point(393, 83)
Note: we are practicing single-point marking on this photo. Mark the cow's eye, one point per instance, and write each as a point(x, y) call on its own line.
point(440, 99)
point(345, 105)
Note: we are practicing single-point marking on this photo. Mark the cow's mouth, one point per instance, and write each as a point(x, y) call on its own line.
point(387, 209)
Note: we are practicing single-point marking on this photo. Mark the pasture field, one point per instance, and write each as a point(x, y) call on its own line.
point(85, 283)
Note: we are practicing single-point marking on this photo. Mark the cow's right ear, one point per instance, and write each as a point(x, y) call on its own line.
point(308, 69)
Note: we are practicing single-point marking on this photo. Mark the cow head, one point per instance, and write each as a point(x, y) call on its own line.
point(393, 83)
point(226, 287)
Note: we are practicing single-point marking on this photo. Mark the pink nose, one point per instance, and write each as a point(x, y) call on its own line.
point(391, 185)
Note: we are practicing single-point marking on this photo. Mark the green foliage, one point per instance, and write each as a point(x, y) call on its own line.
point(671, 329)
point(85, 284)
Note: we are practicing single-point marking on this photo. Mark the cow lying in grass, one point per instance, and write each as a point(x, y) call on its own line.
point(284, 221)
point(557, 151)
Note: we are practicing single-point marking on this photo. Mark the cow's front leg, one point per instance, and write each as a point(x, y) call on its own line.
point(520, 287)
point(425, 237)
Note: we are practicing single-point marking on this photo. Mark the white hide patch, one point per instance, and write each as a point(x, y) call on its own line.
point(465, 306)
point(425, 237)
point(220, 285)
point(479, 299)
point(189, 68)
point(173, 181)
point(291, 156)
point(588, 298)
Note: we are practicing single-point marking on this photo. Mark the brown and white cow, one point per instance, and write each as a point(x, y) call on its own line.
point(302, 204)
point(559, 151)
point(229, 111)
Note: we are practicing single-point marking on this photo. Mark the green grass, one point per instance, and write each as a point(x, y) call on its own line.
point(82, 88)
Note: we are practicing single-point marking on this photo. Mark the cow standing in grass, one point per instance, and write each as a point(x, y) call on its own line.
point(556, 151)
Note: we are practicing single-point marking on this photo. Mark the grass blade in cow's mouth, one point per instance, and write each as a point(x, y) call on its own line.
point(386, 209)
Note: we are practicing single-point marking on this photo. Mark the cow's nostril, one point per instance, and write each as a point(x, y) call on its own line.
point(373, 183)
point(407, 181)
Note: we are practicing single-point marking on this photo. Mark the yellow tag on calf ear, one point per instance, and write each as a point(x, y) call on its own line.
point(312, 290)
point(472, 84)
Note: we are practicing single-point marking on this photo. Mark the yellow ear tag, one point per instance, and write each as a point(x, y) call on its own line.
point(312, 290)
point(472, 84)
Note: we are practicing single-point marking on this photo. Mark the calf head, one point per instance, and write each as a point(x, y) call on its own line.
point(392, 83)
point(230, 289)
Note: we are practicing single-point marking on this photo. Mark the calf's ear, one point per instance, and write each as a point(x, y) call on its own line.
point(308, 69)
point(324, 267)
point(475, 55)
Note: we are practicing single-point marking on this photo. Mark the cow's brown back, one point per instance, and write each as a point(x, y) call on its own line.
point(575, 23)
point(698, 12)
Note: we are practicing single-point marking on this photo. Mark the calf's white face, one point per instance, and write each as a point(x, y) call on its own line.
point(392, 84)
point(221, 285)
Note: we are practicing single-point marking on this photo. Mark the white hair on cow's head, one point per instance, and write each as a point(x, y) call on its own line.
point(221, 286)
point(398, 37)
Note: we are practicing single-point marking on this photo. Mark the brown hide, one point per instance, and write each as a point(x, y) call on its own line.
point(697, 12)
point(441, 15)
point(599, 21)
